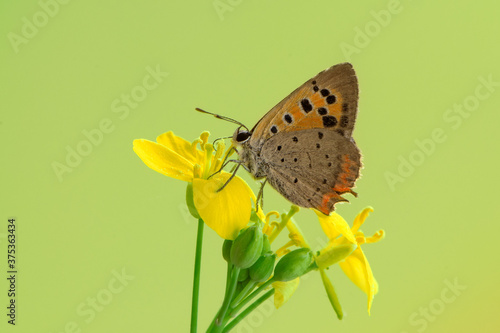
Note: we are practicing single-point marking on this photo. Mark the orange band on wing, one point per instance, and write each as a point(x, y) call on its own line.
point(326, 199)
point(344, 184)
point(347, 176)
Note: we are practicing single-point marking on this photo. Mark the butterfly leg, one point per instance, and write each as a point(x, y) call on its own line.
point(225, 161)
point(224, 165)
point(232, 176)
point(260, 196)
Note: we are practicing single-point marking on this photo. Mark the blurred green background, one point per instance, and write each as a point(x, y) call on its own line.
point(427, 126)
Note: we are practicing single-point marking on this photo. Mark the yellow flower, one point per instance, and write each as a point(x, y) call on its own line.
point(344, 248)
point(355, 265)
point(283, 291)
point(226, 211)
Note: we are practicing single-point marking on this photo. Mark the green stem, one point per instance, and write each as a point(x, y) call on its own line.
point(249, 286)
point(248, 310)
point(230, 269)
point(196, 278)
point(227, 300)
point(228, 274)
point(250, 297)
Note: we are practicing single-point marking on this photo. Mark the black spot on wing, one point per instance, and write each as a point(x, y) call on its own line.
point(325, 92)
point(329, 121)
point(344, 120)
point(345, 108)
point(331, 99)
point(306, 105)
point(322, 111)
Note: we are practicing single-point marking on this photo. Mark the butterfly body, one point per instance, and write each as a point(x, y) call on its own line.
point(303, 146)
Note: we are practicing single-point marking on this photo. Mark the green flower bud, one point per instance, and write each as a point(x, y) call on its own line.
point(190, 201)
point(293, 265)
point(334, 254)
point(226, 250)
point(247, 247)
point(243, 275)
point(266, 246)
point(254, 217)
point(263, 268)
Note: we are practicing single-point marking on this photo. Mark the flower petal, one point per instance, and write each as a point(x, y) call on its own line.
point(360, 218)
point(378, 236)
point(227, 211)
point(333, 225)
point(180, 146)
point(357, 268)
point(332, 295)
point(283, 291)
point(295, 234)
point(163, 160)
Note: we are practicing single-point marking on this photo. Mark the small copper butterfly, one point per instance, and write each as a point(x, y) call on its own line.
point(303, 146)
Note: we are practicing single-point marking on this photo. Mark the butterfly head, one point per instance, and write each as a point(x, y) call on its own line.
point(241, 135)
point(247, 155)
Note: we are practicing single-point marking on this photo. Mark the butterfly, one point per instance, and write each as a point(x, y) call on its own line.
point(303, 146)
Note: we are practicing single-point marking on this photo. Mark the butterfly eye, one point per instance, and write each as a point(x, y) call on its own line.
point(242, 136)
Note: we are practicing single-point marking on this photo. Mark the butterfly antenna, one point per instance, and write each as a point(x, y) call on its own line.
point(231, 120)
point(218, 139)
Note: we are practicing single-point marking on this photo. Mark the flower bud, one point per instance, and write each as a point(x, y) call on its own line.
point(263, 268)
point(226, 250)
point(254, 217)
point(334, 254)
point(266, 246)
point(243, 275)
point(247, 247)
point(190, 201)
point(293, 265)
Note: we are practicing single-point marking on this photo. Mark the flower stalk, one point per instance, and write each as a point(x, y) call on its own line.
point(196, 278)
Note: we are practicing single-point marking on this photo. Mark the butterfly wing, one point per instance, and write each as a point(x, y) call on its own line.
point(312, 169)
point(329, 100)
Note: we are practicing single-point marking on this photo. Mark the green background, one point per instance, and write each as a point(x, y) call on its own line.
point(112, 214)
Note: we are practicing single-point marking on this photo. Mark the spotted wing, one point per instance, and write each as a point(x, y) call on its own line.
point(312, 168)
point(329, 100)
